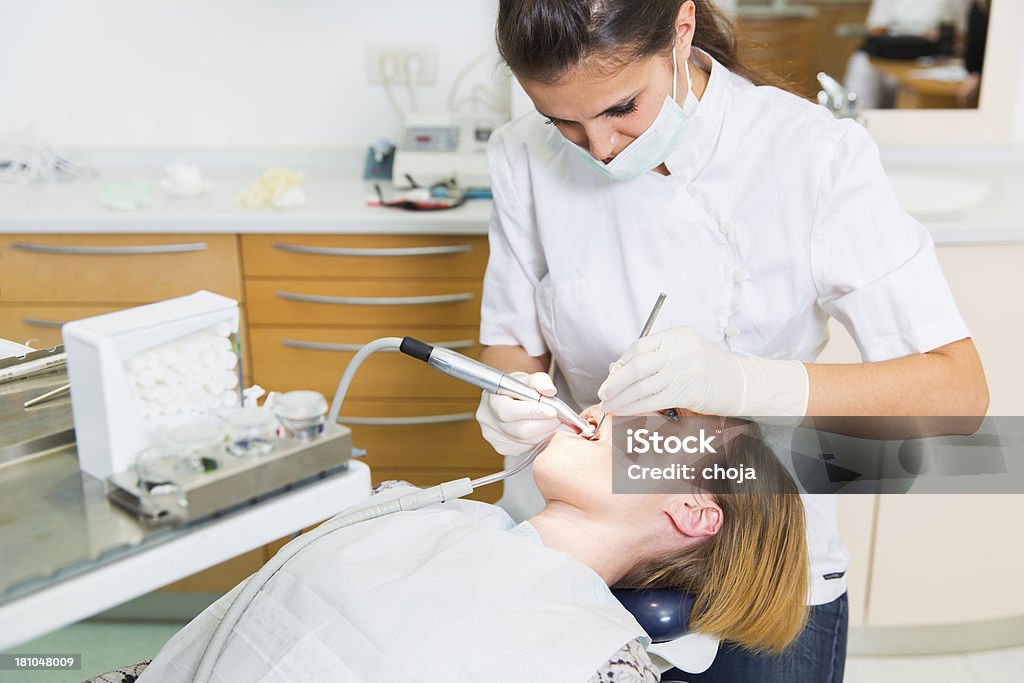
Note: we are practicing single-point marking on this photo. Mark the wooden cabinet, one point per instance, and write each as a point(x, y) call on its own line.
point(837, 34)
point(48, 280)
point(795, 47)
point(355, 256)
point(314, 300)
point(116, 269)
point(311, 357)
point(780, 46)
point(38, 325)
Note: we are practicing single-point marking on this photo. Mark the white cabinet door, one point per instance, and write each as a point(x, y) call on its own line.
point(942, 559)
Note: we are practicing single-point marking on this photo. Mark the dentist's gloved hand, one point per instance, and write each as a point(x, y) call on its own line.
point(677, 368)
point(514, 427)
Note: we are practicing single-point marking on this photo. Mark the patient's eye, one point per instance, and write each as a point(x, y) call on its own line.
point(670, 414)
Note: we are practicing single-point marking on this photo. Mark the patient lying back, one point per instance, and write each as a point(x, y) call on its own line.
point(458, 592)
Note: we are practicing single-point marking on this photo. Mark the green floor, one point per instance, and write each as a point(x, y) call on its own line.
point(104, 646)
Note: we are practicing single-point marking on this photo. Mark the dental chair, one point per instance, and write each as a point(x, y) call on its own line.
point(665, 615)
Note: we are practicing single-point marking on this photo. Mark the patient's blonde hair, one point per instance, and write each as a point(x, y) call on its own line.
point(751, 579)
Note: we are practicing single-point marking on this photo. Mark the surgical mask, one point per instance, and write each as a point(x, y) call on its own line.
point(652, 148)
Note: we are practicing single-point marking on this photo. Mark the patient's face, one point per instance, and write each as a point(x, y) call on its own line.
point(578, 471)
point(572, 466)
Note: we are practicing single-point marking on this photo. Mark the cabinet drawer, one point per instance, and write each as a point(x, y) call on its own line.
point(41, 325)
point(357, 256)
point(116, 268)
point(421, 435)
point(364, 302)
point(315, 358)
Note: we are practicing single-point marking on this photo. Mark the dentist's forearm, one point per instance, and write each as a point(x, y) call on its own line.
point(513, 359)
point(947, 382)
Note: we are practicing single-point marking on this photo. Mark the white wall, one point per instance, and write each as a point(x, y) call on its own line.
point(229, 72)
point(221, 72)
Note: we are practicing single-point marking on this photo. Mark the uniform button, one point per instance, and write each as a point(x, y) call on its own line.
point(693, 189)
point(739, 275)
point(726, 228)
point(732, 331)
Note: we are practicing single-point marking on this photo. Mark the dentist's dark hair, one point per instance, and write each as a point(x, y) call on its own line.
point(542, 40)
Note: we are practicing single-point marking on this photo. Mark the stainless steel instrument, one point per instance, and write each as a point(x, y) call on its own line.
point(645, 331)
point(491, 379)
point(229, 481)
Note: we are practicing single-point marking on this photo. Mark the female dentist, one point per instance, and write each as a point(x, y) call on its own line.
point(661, 163)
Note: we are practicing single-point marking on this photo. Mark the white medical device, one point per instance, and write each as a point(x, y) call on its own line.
point(441, 147)
point(112, 422)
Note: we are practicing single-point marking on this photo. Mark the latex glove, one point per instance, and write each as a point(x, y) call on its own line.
point(513, 427)
point(677, 368)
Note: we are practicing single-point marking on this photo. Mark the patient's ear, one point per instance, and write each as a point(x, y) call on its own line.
point(694, 516)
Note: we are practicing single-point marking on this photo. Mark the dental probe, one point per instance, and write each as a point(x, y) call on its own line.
point(644, 332)
point(491, 379)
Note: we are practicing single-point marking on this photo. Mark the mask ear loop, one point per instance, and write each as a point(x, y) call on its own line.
point(675, 76)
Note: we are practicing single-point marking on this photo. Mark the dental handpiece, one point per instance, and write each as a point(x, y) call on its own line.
point(491, 379)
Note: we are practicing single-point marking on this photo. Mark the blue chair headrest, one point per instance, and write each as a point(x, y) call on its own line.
point(663, 612)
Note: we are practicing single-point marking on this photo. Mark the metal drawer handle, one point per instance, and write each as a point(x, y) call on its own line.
point(352, 348)
point(111, 251)
point(398, 251)
point(35, 322)
point(421, 420)
point(381, 301)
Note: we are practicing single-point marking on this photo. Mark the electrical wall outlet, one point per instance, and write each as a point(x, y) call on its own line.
point(401, 64)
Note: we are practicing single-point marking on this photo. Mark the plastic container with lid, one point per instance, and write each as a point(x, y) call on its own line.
point(251, 431)
point(198, 438)
point(301, 412)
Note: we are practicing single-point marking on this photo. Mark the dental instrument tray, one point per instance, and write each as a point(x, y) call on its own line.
point(171, 488)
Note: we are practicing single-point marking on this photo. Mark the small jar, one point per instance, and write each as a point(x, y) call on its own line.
point(251, 431)
point(162, 473)
point(199, 439)
point(301, 413)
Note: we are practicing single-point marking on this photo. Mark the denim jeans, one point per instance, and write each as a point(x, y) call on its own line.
point(817, 656)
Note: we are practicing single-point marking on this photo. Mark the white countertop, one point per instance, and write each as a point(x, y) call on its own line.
point(337, 199)
point(999, 219)
point(337, 196)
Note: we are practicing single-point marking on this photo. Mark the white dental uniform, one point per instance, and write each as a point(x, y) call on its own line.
point(775, 217)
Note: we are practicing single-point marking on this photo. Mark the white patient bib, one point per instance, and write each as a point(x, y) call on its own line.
point(441, 594)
